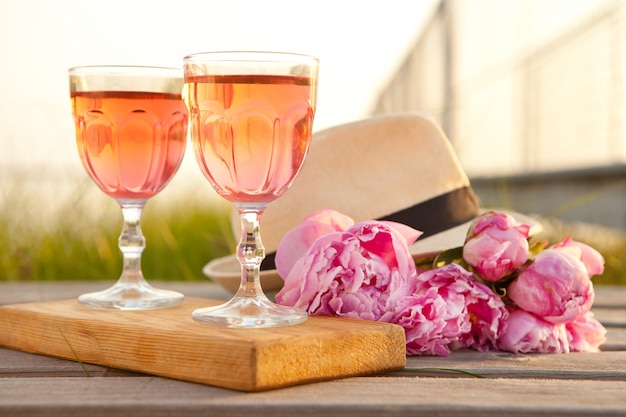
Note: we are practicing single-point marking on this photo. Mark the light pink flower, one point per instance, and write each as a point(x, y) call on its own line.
point(526, 333)
point(591, 258)
point(474, 314)
point(297, 241)
point(496, 245)
point(352, 273)
point(585, 334)
point(555, 287)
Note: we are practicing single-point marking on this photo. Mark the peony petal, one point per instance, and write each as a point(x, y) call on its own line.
point(591, 258)
point(295, 244)
point(338, 221)
point(407, 232)
point(586, 334)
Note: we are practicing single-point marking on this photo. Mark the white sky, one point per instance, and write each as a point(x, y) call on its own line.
point(359, 42)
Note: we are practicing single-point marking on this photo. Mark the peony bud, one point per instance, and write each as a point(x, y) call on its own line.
point(555, 287)
point(496, 246)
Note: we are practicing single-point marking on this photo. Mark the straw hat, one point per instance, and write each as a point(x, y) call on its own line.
point(398, 167)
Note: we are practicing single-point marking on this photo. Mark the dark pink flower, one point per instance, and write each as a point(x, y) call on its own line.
point(527, 333)
point(332, 266)
point(555, 287)
point(474, 314)
point(496, 245)
point(424, 319)
point(352, 273)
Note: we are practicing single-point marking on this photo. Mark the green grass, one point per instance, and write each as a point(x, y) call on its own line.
point(78, 239)
point(615, 268)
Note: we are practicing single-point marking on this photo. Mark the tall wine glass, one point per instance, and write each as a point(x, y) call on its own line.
point(131, 129)
point(251, 119)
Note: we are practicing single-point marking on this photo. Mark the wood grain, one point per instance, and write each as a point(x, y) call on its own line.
point(607, 366)
point(169, 343)
point(352, 397)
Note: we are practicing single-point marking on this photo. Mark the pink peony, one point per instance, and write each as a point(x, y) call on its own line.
point(591, 258)
point(297, 241)
point(474, 314)
point(424, 318)
point(352, 273)
point(332, 266)
point(496, 245)
point(526, 333)
point(555, 287)
point(585, 334)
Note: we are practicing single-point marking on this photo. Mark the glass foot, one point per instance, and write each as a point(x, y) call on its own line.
point(250, 312)
point(135, 296)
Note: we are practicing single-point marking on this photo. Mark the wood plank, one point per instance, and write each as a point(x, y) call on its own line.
point(16, 364)
point(599, 366)
point(19, 364)
point(611, 316)
point(609, 366)
point(616, 339)
point(359, 396)
point(15, 292)
point(169, 343)
point(610, 296)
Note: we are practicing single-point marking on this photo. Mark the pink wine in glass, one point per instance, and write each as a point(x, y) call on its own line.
point(130, 143)
point(251, 120)
point(252, 132)
point(131, 128)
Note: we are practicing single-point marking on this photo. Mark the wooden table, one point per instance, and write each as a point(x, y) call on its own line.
point(575, 384)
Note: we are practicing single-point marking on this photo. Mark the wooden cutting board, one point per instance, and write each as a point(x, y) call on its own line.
point(170, 343)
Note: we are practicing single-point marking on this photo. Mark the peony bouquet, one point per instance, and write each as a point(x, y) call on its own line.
point(496, 292)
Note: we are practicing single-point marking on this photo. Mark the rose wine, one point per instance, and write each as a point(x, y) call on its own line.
point(251, 133)
point(130, 143)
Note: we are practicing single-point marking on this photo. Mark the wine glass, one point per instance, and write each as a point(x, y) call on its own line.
point(131, 130)
point(251, 119)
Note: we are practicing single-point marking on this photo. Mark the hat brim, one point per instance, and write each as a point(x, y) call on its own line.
point(226, 271)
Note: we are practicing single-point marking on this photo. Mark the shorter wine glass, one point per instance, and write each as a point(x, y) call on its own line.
point(131, 131)
point(251, 120)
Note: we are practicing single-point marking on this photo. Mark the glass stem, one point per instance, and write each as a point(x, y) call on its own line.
point(132, 243)
point(250, 250)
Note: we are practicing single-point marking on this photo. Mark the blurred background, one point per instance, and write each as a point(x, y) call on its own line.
point(531, 94)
